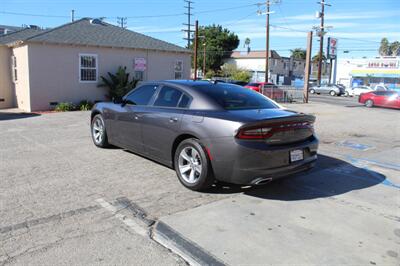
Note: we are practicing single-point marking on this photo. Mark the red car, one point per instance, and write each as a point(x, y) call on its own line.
point(256, 86)
point(380, 98)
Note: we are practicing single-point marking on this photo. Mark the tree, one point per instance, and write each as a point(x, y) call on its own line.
point(220, 43)
point(247, 42)
point(384, 49)
point(233, 72)
point(298, 53)
point(118, 84)
point(315, 58)
point(395, 48)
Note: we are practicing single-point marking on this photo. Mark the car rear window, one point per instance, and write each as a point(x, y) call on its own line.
point(233, 97)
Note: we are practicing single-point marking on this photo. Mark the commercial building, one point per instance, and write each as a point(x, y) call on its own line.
point(369, 71)
point(39, 68)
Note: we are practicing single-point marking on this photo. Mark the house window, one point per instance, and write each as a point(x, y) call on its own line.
point(139, 75)
point(88, 68)
point(178, 69)
point(14, 68)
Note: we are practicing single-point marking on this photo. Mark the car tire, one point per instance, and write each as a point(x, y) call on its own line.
point(332, 93)
point(192, 165)
point(312, 91)
point(369, 103)
point(346, 94)
point(98, 132)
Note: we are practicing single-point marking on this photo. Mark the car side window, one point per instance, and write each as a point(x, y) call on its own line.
point(141, 95)
point(185, 101)
point(168, 97)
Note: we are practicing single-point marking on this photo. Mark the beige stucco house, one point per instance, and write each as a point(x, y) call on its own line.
point(40, 68)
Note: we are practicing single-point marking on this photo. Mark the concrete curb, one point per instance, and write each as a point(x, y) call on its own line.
point(189, 251)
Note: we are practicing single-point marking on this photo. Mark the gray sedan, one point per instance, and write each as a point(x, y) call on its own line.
point(208, 132)
point(333, 90)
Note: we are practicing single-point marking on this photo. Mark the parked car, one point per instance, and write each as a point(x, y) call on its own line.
point(208, 132)
point(356, 91)
point(256, 86)
point(333, 90)
point(389, 99)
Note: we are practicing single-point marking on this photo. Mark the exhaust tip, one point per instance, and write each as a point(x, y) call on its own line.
point(262, 181)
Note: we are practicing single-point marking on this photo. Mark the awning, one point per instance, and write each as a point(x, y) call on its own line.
point(376, 73)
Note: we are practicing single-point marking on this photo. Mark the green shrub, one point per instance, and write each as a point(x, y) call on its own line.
point(118, 84)
point(242, 75)
point(85, 105)
point(65, 107)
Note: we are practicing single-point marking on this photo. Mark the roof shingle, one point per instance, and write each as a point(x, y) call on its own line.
point(20, 35)
point(84, 32)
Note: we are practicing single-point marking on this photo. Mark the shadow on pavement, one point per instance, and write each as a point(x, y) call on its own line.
point(12, 116)
point(330, 177)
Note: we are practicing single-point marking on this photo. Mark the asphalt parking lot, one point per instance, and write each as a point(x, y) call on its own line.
point(64, 201)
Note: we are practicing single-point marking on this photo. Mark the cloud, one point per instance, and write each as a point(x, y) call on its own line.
point(346, 15)
point(152, 29)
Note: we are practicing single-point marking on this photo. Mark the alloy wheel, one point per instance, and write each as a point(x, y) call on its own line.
point(190, 165)
point(98, 130)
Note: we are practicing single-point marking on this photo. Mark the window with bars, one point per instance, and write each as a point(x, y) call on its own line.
point(87, 68)
point(14, 68)
point(178, 68)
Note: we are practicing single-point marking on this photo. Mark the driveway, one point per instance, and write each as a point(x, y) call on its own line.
point(64, 201)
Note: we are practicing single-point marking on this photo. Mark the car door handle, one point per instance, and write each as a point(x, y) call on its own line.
point(173, 119)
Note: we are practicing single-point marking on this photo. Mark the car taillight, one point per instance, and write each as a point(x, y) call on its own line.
point(264, 132)
point(254, 133)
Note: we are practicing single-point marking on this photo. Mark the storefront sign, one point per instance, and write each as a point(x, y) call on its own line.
point(140, 64)
point(332, 47)
point(383, 63)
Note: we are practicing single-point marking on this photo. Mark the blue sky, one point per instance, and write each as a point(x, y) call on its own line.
point(358, 24)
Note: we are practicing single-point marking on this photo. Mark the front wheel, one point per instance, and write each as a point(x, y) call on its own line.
point(99, 134)
point(346, 94)
point(192, 165)
point(332, 93)
point(369, 103)
point(312, 91)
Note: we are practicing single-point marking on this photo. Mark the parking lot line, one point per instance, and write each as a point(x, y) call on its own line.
point(127, 221)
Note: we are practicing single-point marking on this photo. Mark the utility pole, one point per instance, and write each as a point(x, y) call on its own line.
point(72, 15)
point(267, 13)
point(204, 59)
point(321, 38)
point(308, 67)
point(189, 26)
point(196, 43)
point(121, 21)
point(267, 43)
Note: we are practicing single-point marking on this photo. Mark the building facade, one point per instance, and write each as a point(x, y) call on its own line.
point(369, 71)
point(282, 70)
point(40, 69)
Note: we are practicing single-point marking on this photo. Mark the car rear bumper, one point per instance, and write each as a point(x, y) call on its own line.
point(247, 163)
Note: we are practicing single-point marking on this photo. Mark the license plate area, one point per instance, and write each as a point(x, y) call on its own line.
point(296, 155)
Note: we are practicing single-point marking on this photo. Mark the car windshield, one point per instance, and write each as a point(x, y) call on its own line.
point(232, 97)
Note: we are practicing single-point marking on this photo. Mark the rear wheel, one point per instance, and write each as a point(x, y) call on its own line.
point(346, 94)
point(99, 134)
point(332, 93)
point(192, 165)
point(369, 103)
point(312, 91)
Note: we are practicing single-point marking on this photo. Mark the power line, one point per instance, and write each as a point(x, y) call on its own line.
point(224, 9)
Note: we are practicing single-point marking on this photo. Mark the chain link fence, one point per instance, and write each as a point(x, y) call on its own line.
point(284, 93)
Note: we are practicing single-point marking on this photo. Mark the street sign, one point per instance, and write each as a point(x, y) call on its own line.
point(140, 64)
point(332, 48)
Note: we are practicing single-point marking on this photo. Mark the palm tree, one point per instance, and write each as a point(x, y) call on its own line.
point(298, 53)
point(315, 58)
point(118, 84)
point(384, 49)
